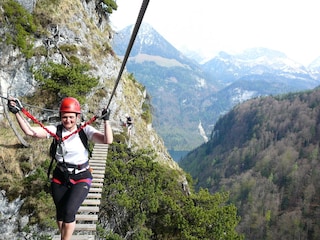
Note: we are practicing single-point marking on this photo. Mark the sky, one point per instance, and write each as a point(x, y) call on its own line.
point(210, 26)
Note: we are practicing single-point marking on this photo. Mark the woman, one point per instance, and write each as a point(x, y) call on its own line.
point(71, 178)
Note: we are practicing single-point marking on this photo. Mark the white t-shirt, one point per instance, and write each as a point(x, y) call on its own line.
point(76, 153)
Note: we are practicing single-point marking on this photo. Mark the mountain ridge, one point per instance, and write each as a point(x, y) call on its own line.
point(196, 92)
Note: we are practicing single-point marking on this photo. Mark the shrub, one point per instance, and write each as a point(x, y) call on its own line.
point(64, 81)
point(22, 25)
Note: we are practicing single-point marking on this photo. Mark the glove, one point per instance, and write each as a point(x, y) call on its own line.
point(14, 108)
point(106, 114)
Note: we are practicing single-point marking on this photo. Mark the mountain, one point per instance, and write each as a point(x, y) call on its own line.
point(186, 94)
point(257, 61)
point(265, 153)
point(314, 67)
point(255, 72)
point(176, 84)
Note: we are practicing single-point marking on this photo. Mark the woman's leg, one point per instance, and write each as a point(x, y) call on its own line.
point(59, 195)
point(67, 230)
point(77, 194)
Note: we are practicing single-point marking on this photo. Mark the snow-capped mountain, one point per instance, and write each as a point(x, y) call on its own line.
point(148, 42)
point(314, 68)
point(185, 92)
point(257, 61)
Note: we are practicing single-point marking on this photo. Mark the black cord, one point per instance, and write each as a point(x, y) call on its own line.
point(131, 42)
point(33, 106)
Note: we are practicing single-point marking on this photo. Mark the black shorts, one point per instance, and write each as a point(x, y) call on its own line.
point(68, 194)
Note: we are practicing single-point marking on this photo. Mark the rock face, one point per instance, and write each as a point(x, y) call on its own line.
point(80, 24)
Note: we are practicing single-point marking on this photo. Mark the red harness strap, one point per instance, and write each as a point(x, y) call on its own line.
point(29, 115)
point(86, 180)
point(81, 127)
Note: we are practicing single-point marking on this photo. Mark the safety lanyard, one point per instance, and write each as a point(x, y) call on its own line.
point(35, 120)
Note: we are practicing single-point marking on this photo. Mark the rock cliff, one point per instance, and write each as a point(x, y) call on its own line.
point(82, 25)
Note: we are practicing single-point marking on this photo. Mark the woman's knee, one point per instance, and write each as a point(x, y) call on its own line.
point(70, 216)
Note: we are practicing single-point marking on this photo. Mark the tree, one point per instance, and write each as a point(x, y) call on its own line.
point(64, 81)
point(144, 200)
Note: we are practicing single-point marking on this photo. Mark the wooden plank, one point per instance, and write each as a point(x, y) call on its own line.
point(102, 148)
point(93, 165)
point(85, 227)
point(98, 167)
point(95, 190)
point(92, 209)
point(94, 196)
point(98, 162)
point(98, 171)
point(101, 145)
point(101, 180)
point(100, 158)
point(99, 155)
point(101, 166)
point(76, 237)
point(99, 152)
point(91, 202)
point(86, 217)
point(98, 179)
point(97, 175)
point(97, 184)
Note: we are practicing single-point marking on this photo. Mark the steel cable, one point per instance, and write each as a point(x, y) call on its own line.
point(130, 45)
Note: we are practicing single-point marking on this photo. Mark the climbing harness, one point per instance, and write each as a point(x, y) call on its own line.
point(58, 146)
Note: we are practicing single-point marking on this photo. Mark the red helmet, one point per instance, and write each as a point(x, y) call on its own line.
point(70, 104)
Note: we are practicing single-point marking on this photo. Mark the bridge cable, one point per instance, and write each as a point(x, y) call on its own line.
point(130, 45)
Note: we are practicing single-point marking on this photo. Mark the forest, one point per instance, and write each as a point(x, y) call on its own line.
point(265, 152)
